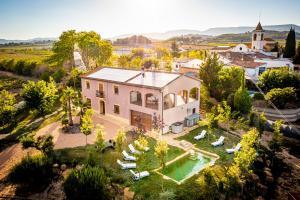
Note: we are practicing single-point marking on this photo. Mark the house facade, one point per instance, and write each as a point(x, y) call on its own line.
point(142, 99)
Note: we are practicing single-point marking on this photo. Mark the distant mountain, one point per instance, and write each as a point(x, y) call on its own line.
point(210, 32)
point(244, 29)
point(162, 35)
point(33, 40)
point(133, 41)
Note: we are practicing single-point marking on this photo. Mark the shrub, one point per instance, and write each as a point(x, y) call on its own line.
point(280, 97)
point(242, 101)
point(278, 78)
point(32, 171)
point(258, 96)
point(27, 141)
point(58, 75)
point(87, 183)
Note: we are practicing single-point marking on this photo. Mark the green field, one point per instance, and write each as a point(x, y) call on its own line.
point(28, 54)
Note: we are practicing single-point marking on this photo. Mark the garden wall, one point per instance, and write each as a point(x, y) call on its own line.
point(290, 115)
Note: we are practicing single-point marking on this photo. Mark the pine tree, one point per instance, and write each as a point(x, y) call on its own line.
point(290, 44)
point(297, 56)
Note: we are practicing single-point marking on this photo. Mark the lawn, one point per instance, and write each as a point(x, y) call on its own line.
point(148, 187)
point(205, 144)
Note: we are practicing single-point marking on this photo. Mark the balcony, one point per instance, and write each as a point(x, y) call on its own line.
point(100, 94)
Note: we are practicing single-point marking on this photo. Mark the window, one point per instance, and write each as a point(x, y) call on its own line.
point(194, 110)
point(87, 85)
point(116, 89)
point(262, 36)
point(169, 101)
point(116, 109)
point(182, 97)
point(241, 48)
point(194, 94)
point(151, 101)
point(136, 98)
point(254, 37)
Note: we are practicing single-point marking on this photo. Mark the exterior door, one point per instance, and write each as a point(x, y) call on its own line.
point(141, 120)
point(102, 107)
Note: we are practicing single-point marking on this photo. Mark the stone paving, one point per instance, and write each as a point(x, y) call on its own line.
point(170, 138)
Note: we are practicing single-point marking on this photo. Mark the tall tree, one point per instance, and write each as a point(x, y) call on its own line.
point(161, 150)
point(68, 97)
point(297, 56)
point(87, 124)
point(174, 49)
point(100, 137)
point(229, 80)
point(63, 49)
point(242, 99)
point(120, 140)
point(209, 74)
point(40, 95)
point(290, 44)
point(123, 61)
point(93, 48)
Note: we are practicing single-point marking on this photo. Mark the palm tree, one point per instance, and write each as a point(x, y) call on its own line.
point(68, 95)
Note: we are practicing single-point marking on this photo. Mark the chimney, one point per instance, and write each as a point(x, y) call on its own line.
point(143, 72)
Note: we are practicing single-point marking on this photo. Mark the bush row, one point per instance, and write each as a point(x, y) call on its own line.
point(24, 68)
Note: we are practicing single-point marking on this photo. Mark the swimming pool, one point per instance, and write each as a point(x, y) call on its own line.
point(187, 165)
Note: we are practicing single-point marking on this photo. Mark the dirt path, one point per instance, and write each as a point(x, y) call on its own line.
point(10, 156)
point(12, 75)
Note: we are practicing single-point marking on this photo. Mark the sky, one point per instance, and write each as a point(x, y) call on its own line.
point(25, 19)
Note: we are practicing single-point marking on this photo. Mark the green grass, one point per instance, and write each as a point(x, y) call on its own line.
point(205, 144)
point(149, 187)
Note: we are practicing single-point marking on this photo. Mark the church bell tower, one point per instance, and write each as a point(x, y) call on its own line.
point(258, 38)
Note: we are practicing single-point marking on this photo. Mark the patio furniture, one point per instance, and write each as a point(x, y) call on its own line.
point(133, 150)
point(139, 175)
point(236, 148)
point(137, 143)
point(201, 135)
point(127, 156)
point(126, 165)
point(219, 142)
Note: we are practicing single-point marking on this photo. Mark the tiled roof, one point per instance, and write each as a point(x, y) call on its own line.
point(259, 27)
point(221, 48)
point(248, 64)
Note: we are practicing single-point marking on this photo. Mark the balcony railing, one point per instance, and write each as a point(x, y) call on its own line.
point(100, 94)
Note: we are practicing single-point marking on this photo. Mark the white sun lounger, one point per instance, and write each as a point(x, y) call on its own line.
point(127, 156)
point(137, 143)
point(126, 165)
point(133, 150)
point(236, 148)
point(140, 175)
point(201, 135)
point(219, 142)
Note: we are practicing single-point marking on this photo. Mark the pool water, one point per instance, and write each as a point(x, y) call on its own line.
point(185, 167)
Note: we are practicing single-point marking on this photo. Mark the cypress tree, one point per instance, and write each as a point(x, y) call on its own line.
point(290, 44)
point(297, 56)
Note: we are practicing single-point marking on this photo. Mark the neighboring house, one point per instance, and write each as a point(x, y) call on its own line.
point(187, 66)
point(142, 98)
